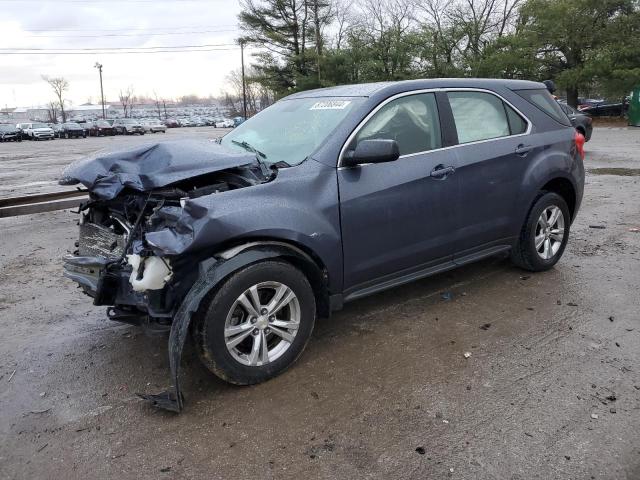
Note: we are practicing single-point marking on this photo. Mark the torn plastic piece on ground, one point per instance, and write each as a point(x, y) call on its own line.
point(151, 166)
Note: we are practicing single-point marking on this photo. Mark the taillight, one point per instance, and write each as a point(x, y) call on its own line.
point(579, 140)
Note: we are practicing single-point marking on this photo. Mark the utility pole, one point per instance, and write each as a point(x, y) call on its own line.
point(316, 20)
point(99, 67)
point(244, 84)
point(164, 103)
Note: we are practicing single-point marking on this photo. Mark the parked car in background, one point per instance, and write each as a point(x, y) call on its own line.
point(226, 123)
point(56, 127)
point(154, 126)
point(10, 133)
point(128, 126)
point(100, 128)
point(71, 130)
point(606, 109)
point(580, 121)
point(237, 121)
point(36, 131)
point(171, 123)
point(589, 102)
point(325, 197)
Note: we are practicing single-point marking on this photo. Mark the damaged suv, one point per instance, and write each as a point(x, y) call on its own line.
point(325, 197)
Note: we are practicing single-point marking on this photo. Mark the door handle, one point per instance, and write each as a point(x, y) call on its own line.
point(523, 149)
point(441, 171)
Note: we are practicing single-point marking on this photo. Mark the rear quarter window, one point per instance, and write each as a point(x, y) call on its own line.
point(542, 99)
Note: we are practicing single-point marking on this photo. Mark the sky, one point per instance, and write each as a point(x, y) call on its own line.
point(29, 26)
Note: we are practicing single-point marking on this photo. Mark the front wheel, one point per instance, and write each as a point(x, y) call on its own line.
point(544, 235)
point(256, 324)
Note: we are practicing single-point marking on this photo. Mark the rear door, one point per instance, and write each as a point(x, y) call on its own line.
point(492, 156)
point(398, 217)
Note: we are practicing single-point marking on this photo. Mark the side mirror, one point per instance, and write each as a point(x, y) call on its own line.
point(372, 151)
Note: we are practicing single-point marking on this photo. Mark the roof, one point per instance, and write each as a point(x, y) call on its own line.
point(368, 89)
point(84, 108)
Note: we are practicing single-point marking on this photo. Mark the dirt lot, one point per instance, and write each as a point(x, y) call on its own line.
point(551, 390)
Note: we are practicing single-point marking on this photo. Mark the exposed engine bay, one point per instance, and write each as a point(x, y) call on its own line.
point(114, 263)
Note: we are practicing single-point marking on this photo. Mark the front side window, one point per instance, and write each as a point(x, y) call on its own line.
point(478, 116)
point(412, 121)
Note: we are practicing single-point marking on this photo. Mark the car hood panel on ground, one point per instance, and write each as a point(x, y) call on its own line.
point(151, 166)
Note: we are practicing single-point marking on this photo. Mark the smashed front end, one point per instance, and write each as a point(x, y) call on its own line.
point(115, 264)
point(133, 196)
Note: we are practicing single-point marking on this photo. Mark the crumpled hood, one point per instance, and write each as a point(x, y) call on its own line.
point(150, 166)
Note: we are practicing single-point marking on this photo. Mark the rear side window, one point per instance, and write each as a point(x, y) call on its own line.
point(412, 121)
point(542, 99)
point(478, 116)
point(517, 124)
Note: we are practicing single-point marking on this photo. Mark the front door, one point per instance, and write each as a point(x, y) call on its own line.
point(397, 217)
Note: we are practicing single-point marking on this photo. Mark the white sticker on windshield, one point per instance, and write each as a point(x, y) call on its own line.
point(330, 105)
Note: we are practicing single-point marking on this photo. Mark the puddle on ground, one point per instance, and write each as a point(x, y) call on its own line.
point(625, 172)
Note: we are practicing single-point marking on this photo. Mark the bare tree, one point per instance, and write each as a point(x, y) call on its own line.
point(60, 86)
point(258, 95)
point(344, 19)
point(127, 98)
point(52, 112)
point(158, 103)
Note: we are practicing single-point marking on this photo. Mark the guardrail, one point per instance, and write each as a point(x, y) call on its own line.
point(44, 202)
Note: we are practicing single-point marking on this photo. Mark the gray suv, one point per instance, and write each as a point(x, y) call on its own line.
point(325, 197)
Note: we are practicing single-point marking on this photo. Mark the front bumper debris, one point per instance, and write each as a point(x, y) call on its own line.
point(88, 272)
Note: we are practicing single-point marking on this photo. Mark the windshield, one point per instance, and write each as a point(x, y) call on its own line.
point(73, 124)
point(290, 130)
point(103, 124)
point(7, 128)
point(40, 125)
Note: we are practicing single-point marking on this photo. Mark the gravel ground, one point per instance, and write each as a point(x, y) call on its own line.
point(551, 389)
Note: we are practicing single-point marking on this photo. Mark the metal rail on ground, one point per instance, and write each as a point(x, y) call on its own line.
point(44, 202)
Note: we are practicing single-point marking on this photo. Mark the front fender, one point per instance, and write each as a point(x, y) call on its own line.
point(211, 273)
point(300, 205)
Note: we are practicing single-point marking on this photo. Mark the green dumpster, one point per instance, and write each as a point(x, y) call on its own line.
point(634, 108)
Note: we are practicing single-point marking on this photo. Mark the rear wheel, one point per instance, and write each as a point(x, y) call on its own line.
point(256, 324)
point(544, 235)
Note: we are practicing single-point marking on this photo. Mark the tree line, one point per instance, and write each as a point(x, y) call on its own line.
point(586, 46)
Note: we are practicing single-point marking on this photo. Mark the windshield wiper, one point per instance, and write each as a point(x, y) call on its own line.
point(247, 146)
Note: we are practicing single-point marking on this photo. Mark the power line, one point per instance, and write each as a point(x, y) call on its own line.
point(103, 49)
point(132, 34)
point(120, 52)
point(122, 29)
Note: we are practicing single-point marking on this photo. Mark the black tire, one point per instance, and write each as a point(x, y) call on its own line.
point(524, 254)
point(210, 322)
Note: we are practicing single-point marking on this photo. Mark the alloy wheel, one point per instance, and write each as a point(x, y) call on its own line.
point(550, 231)
point(262, 323)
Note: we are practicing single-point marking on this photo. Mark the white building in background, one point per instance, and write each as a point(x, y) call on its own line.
point(23, 114)
point(88, 112)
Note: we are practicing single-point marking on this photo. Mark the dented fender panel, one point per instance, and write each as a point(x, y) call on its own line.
point(259, 212)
